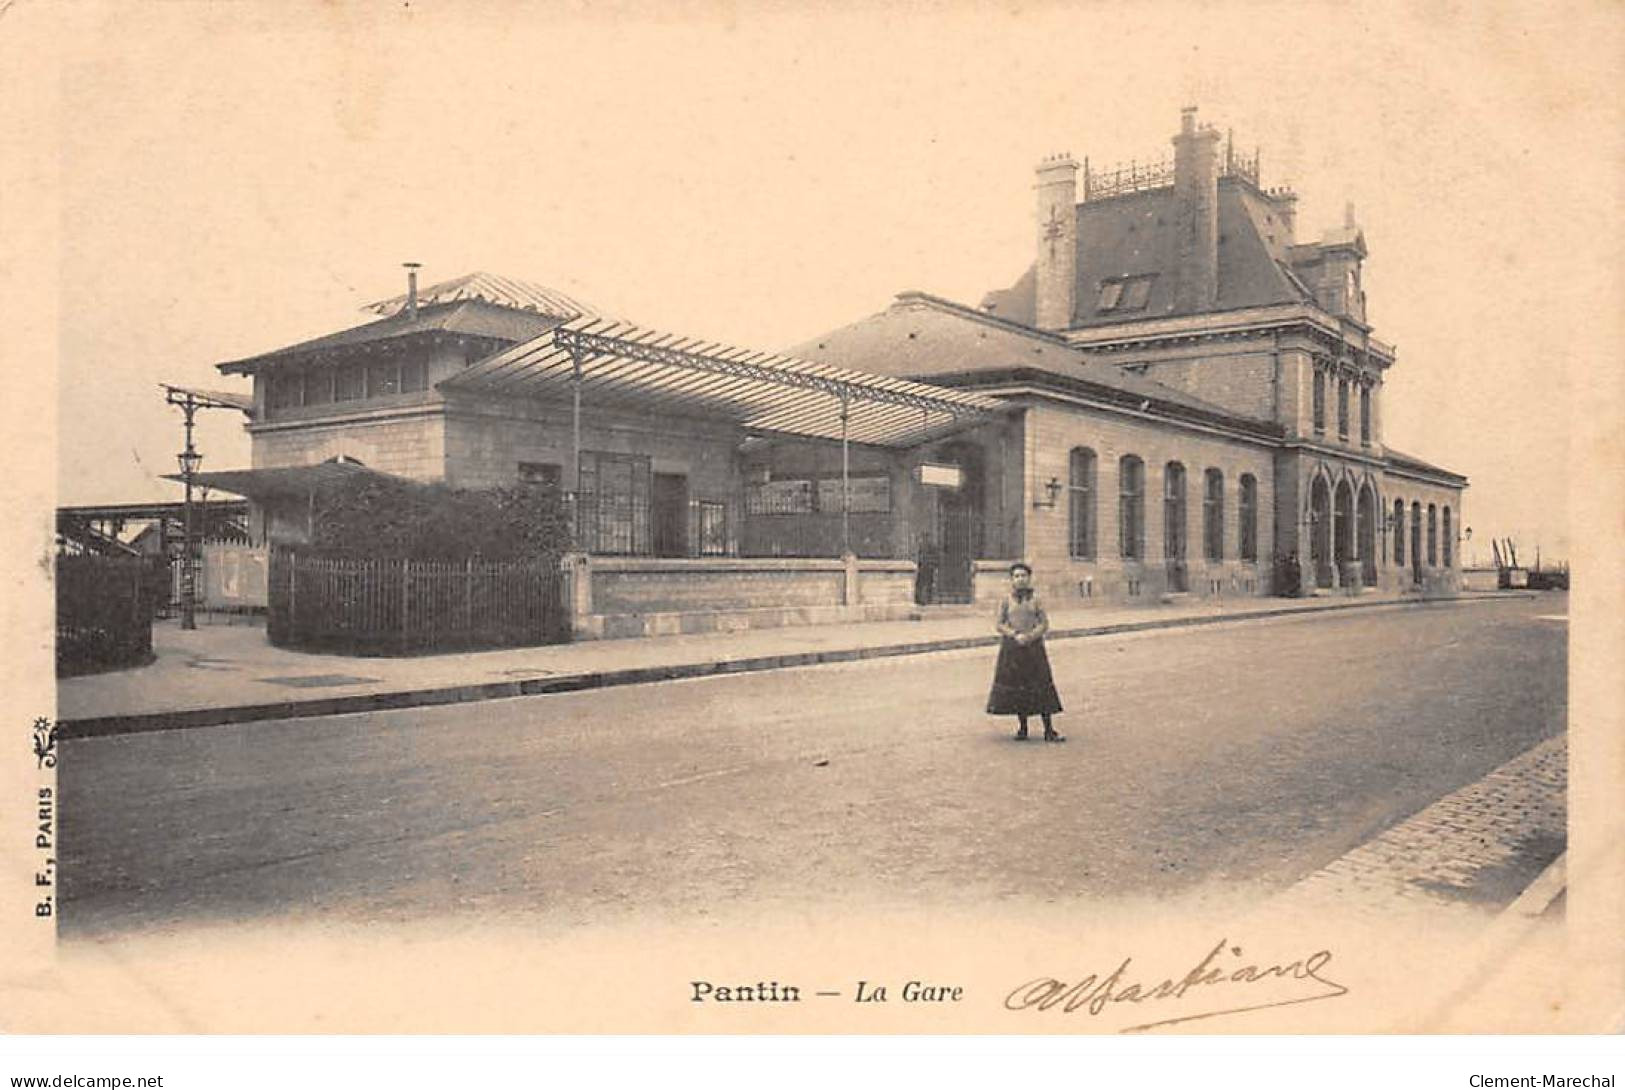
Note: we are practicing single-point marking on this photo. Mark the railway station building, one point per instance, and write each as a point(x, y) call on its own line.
point(1178, 397)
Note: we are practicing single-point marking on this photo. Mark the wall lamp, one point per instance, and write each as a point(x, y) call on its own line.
point(1052, 492)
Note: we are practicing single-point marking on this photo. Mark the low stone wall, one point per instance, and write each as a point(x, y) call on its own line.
point(614, 597)
point(1119, 582)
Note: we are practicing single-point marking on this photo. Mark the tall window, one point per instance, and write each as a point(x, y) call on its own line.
point(1320, 400)
point(1433, 536)
point(1213, 515)
point(1416, 538)
point(1173, 511)
point(1399, 532)
point(1081, 496)
point(1249, 517)
point(1447, 538)
point(1365, 415)
point(1343, 408)
point(614, 503)
point(1131, 507)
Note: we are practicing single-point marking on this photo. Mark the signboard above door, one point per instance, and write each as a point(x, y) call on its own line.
point(939, 475)
point(869, 495)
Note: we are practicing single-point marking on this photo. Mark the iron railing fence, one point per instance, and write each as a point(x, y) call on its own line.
point(393, 606)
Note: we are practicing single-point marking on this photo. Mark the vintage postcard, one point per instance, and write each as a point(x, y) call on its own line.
point(761, 519)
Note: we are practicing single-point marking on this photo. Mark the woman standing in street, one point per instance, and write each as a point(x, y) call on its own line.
point(1022, 682)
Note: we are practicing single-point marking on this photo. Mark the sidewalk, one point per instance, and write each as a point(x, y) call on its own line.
point(1477, 849)
point(229, 674)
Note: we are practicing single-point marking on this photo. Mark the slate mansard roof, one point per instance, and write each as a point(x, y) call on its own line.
point(1133, 235)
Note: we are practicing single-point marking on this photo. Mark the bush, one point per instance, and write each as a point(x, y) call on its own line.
point(104, 611)
point(404, 519)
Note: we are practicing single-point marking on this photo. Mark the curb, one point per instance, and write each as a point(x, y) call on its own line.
point(1538, 896)
point(102, 726)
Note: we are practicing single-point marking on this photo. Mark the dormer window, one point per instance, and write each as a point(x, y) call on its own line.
point(1125, 293)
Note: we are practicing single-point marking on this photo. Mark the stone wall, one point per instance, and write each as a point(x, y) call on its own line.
point(1438, 577)
point(406, 442)
point(617, 597)
point(1053, 431)
point(1239, 375)
point(487, 439)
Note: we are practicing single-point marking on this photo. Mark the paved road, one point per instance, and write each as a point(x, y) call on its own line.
point(1237, 757)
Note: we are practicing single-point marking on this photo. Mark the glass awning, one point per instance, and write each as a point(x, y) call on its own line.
point(624, 366)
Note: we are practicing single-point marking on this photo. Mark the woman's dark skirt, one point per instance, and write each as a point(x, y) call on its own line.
point(1022, 682)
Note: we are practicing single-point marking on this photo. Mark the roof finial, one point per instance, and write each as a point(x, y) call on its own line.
point(1348, 214)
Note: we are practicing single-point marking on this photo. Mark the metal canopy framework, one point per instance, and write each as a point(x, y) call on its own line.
point(207, 399)
point(615, 364)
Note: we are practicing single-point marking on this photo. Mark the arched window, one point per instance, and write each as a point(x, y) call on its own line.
point(1131, 507)
point(1447, 538)
point(1399, 532)
point(1213, 515)
point(1433, 536)
point(1249, 517)
point(1343, 408)
point(1320, 400)
point(1173, 512)
point(1081, 493)
point(1416, 540)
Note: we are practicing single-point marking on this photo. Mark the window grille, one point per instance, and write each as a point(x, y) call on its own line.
point(613, 504)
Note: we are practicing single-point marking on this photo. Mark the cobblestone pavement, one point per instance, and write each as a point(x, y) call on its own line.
point(1475, 849)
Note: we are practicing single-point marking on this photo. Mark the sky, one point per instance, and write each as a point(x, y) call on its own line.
point(234, 178)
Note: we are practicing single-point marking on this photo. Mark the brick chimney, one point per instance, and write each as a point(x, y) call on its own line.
point(1196, 204)
point(412, 268)
point(1057, 243)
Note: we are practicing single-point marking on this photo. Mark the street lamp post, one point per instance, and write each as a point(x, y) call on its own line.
point(189, 460)
point(189, 402)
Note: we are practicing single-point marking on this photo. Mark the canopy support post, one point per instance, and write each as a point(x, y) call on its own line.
point(846, 477)
point(575, 445)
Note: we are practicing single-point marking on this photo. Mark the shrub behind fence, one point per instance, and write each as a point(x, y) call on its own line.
point(104, 611)
point(392, 606)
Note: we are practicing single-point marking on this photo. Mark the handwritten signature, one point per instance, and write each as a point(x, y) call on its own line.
point(1094, 993)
